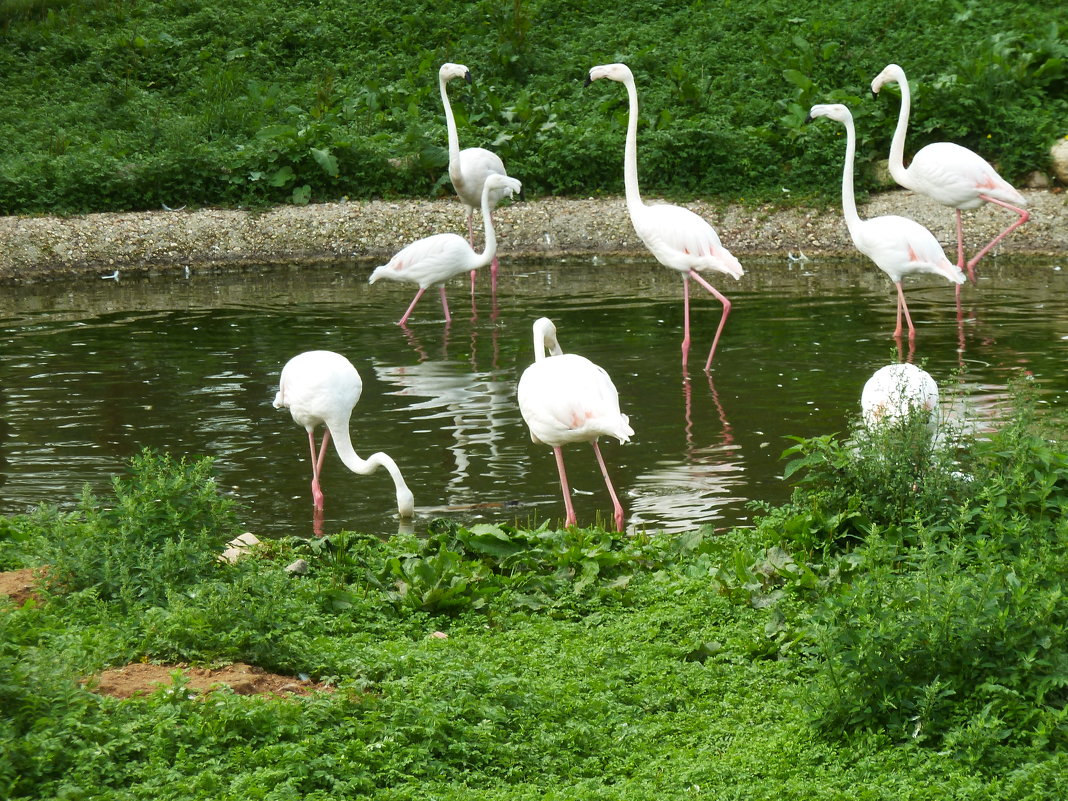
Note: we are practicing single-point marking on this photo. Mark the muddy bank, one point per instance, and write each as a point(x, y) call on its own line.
point(367, 233)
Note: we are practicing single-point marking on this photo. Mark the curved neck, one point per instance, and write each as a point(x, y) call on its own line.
point(849, 202)
point(454, 139)
point(343, 446)
point(490, 250)
point(897, 144)
point(545, 342)
point(630, 152)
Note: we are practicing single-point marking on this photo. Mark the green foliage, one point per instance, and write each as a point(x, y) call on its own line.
point(162, 533)
point(115, 106)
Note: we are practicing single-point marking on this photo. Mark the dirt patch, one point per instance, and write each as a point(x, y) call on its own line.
point(20, 585)
point(144, 679)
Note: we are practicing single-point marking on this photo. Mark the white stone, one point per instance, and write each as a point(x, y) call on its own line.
point(1058, 156)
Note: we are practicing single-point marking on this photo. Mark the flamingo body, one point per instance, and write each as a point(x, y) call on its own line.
point(468, 168)
point(678, 238)
point(898, 246)
point(437, 258)
point(897, 391)
point(948, 173)
point(566, 398)
point(320, 387)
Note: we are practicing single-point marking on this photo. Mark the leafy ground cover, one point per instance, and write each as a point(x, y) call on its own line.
point(895, 631)
point(117, 106)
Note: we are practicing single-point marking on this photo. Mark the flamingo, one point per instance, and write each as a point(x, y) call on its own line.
point(953, 175)
point(566, 398)
point(898, 246)
point(322, 387)
point(678, 238)
point(468, 168)
point(897, 391)
point(437, 258)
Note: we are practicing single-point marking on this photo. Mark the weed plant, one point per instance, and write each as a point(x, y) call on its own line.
point(901, 641)
point(114, 106)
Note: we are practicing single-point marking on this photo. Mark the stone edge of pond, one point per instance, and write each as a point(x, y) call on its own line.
point(35, 249)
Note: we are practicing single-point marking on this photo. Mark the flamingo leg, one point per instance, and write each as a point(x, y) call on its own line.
point(903, 307)
point(685, 319)
point(317, 493)
point(617, 507)
point(445, 305)
point(960, 243)
point(722, 320)
point(571, 520)
point(403, 320)
point(471, 240)
point(1024, 217)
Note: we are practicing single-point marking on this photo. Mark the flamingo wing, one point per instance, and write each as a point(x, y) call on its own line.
point(956, 176)
point(568, 398)
point(900, 246)
point(319, 386)
point(476, 165)
point(428, 261)
point(683, 240)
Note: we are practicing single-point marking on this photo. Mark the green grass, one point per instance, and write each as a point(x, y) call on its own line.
point(908, 644)
point(136, 104)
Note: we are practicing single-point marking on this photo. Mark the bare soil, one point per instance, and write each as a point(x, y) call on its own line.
point(143, 679)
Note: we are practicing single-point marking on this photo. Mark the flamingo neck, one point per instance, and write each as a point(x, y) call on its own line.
point(490, 250)
point(897, 144)
point(849, 201)
point(343, 445)
point(545, 342)
point(454, 139)
point(630, 152)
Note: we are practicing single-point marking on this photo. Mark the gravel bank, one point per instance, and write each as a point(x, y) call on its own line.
point(51, 248)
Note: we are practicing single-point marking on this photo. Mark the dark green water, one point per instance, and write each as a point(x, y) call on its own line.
point(93, 371)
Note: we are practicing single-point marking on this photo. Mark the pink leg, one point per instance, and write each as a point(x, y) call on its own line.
point(1024, 217)
point(471, 240)
point(903, 307)
point(403, 320)
point(960, 242)
point(317, 466)
point(685, 320)
point(616, 505)
point(445, 305)
point(722, 320)
point(570, 521)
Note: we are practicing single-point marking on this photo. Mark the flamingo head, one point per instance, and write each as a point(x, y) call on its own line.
point(836, 111)
point(613, 72)
point(405, 502)
point(499, 186)
point(892, 73)
point(449, 71)
point(545, 339)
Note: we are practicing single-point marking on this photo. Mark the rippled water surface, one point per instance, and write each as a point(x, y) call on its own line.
point(92, 371)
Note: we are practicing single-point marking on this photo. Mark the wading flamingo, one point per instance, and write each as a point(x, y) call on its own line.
point(953, 175)
point(897, 391)
point(898, 246)
point(468, 168)
point(435, 259)
point(320, 387)
point(677, 237)
point(567, 398)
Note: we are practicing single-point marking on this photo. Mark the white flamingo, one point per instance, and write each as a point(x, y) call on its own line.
point(677, 237)
point(435, 259)
point(468, 168)
point(320, 387)
point(898, 245)
point(895, 392)
point(567, 398)
point(953, 175)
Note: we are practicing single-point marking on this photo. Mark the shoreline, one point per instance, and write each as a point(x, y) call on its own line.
point(36, 249)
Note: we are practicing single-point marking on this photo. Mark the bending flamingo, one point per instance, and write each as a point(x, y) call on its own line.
point(567, 398)
point(898, 246)
point(951, 174)
point(896, 391)
point(435, 259)
point(677, 237)
point(320, 387)
point(468, 168)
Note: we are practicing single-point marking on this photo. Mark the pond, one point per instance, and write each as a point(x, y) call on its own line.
point(92, 371)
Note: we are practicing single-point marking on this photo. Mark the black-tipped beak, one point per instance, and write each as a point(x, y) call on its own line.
point(874, 93)
point(588, 81)
point(467, 76)
point(809, 118)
